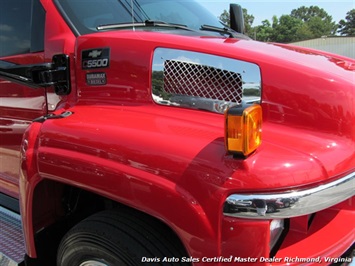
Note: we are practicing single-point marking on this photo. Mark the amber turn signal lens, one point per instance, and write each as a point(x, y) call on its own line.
point(243, 129)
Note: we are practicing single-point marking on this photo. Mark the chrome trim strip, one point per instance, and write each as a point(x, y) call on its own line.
point(290, 204)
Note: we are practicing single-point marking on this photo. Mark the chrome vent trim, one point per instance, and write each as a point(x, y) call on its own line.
point(184, 78)
point(202, 81)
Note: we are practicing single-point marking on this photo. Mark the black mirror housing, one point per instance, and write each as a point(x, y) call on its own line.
point(236, 18)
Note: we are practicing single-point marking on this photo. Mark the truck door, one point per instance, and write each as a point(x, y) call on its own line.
point(21, 43)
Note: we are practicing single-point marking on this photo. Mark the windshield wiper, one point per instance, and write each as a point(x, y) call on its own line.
point(224, 30)
point(147, 23)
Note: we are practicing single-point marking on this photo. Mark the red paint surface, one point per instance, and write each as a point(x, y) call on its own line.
point(170, 162)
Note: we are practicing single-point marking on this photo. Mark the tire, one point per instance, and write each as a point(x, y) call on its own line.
point(119, 238)
point(271, 208)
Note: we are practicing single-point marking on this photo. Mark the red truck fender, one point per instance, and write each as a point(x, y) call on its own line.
point(143, 191)
point(28, 179)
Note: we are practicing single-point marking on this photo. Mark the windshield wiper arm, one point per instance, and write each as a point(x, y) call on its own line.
point(163, 23)
point(224, 30)
point(147, 23)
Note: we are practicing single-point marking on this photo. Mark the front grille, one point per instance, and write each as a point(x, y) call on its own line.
point(190, 79)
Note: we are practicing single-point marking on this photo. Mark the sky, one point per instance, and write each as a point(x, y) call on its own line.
point(262, 9)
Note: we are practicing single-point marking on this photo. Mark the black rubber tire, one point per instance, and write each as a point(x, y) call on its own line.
point(119, 238)
point(271, 208)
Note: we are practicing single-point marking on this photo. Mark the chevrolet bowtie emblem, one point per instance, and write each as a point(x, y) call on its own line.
point(95, 53)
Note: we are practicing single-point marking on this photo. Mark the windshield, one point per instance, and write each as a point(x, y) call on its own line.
point(87, 15)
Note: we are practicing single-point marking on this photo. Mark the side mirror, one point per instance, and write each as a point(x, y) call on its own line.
point(236, 18)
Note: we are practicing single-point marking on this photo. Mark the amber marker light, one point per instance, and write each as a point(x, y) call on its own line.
point(243, 129)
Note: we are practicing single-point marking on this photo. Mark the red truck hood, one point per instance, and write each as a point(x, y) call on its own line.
point(307, 100)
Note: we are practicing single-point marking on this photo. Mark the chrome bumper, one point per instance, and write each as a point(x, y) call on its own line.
point(290, 204)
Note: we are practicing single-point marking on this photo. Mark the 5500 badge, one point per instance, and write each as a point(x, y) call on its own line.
point(95, 58)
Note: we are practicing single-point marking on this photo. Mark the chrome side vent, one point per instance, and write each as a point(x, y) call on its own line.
point(202, 81)
point(183, 78)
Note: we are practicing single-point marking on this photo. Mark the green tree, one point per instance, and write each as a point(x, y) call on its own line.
point(303, 23)
point(263, 32)
point(347, 27)
point(285, 29)
point(317, 21)
point(304, 33)
point(225, 17)
point(307, 13)
point(248, 20)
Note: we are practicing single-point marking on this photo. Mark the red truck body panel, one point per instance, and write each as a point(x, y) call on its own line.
point(171, 162)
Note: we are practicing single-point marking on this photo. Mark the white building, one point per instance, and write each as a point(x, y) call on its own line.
point(338, 45)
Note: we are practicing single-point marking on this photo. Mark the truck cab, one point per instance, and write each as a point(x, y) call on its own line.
point(148, 132)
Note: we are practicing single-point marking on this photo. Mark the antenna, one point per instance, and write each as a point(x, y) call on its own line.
point(132, 14)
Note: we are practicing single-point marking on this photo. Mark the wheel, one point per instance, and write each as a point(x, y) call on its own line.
point(271, 208)
point(119, 237)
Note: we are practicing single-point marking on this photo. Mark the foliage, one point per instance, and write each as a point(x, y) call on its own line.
point(319, 22)
point(285, 29)
point(347, 26)
point(248, 20)
point(158, 84)
point(302, 23)
point(225, 17)
point(308, 13)
point(263, 32)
